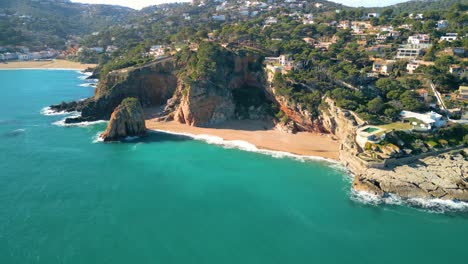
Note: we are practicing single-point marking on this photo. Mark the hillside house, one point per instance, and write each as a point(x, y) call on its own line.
point(418, 16)
point(463, 93)
point(442, 24)
point(423, 93)
point(457, 70)
point(419, 39)
point(284, 61)
point(449, 37)
point(383, 67)
point(373, 15)
point(412, 66)
point(408, 53)
point(423, 122)
point(157, 51)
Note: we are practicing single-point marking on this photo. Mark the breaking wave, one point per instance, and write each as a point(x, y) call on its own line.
point(246, 146)
point(47, 111)
point(438, 206)
point(88, 85)
point(84, 75)
point(81, 124)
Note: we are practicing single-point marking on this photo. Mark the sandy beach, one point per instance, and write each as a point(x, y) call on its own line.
point(256, 133)
point(54, 64)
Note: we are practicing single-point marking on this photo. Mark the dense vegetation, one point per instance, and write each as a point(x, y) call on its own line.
point(39, 23)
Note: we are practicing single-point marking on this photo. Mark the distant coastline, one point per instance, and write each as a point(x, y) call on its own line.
point(52, 64)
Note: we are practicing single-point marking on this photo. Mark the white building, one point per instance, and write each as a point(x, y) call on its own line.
point(419, 39)
point(383, 67)
point(408, 53)
point(412, 66)
point(157, 50)
point(416, 16)
point(449, 37)
point(426, 121)
point(371, 15)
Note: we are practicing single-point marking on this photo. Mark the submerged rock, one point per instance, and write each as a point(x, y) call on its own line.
point(127, 120)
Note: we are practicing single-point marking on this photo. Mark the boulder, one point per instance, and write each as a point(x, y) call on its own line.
point(127, 120)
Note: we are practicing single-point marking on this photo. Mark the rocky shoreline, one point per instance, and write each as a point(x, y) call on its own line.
point(438, 175)
point(434, 177)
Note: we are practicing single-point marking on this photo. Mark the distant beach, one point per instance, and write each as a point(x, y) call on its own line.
point(254, 132)
point(53, 64)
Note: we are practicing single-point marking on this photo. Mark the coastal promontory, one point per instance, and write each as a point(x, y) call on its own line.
point(127, 120)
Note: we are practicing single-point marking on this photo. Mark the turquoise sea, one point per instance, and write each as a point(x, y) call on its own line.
point(65, 198)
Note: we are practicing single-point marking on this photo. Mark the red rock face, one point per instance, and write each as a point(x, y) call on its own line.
point(204, 104)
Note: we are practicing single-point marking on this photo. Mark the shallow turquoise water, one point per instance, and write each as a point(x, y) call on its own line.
point(168, 199)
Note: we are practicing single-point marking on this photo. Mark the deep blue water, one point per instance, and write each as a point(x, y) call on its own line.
point(167, 199)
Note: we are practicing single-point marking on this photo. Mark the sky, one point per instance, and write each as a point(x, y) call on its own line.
point(139, 4)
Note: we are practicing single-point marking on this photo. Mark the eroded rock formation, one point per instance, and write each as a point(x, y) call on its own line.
point(151, 84)
point(127, 120)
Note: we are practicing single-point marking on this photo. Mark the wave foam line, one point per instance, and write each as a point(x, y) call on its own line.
point(246, 146)
point(438, 206)
point(97, 138)
point(84, 75)
point(81, 124)
point(47, 111)
point(91, 85)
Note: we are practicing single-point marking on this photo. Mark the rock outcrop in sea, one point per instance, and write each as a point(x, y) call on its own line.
point(127, 120)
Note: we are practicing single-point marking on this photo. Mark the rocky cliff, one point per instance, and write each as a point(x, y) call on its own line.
point(236, 92)
point(151, 84)
point(442, 176)
point(127, 120)
point(435, 176)
point(297, 117)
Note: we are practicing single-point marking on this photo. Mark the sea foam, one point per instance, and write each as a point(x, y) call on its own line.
point(439, 206)
point(90, 85)
point(81, 124)
point(47, 111)
point(246, 146)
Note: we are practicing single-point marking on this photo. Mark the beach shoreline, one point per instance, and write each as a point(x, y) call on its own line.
point(254, 133)
point(45, 65)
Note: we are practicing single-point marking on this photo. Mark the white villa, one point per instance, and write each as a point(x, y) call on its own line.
point(449, 37)
point(424, 122)
point(419, 39)
point(412, 66)
point(383, 67)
